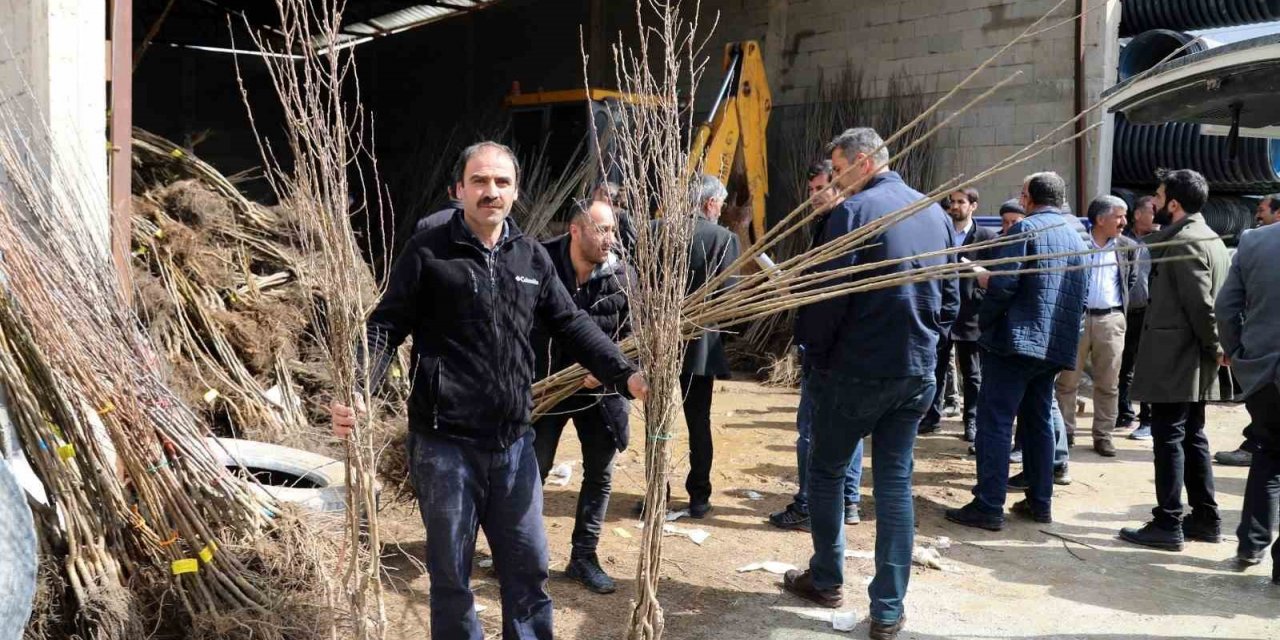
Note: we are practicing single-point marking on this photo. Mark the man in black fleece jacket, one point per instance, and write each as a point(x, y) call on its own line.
point(469, 292)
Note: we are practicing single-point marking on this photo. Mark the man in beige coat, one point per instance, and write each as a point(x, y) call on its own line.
point(1177, 363)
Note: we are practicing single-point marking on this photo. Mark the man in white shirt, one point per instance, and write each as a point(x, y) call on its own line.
point(1111, 274)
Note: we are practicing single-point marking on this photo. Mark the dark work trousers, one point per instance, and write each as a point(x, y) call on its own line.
point(462, 488)
point(1182, 459)
point(969, 372)
point(598, 450)
point(1128, 358)
point(1262, 490)
point(1022, 388)
point(696, 391)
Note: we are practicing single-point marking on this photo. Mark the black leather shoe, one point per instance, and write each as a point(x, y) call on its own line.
point(928, 428)
point(699, 509)
point(1023, 508)
point(1154, 536)
point(800, 583)
point(970, 516)
point(889, 631)
point(1243, 562)
point(1018, 482)
point(586, 571)
point(1202, 530)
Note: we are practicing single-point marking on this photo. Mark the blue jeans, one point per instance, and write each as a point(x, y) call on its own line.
point(1014, 386)
point(804, 426)
point(1061, 452)
point(460, 488)
point(847, 409)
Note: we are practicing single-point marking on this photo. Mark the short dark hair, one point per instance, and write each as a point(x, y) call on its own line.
point(1047, 189)
point(970, 194)
point(1012, 206)
point(463, 158)
point(1188, 187)
point(1273, 202)
point(1144, 201)
point(1103, 205)
point(580, 208)
point(819, 168)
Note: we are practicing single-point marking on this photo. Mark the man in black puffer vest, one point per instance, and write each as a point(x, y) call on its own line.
point(597, 279)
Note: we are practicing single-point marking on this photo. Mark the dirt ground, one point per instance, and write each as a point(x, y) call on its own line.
point(1019, 583)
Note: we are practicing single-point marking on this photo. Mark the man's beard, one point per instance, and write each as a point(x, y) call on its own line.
point(1163, 216)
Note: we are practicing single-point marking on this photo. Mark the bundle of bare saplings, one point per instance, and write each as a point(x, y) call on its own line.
point(221, 284)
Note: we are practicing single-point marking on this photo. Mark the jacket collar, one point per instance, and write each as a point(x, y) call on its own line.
point(559, 250)
point(1174, 229)
point(460, 233)
point(881, 178)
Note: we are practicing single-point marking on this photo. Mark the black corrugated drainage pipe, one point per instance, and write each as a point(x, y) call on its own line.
point(1140, 150)
point(1150, 48)
point(1186, 15)
point(1228, 216)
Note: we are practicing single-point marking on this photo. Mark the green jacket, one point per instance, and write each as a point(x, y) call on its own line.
point(1178, 354)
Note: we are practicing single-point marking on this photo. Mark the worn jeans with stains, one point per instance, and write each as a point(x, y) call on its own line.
point(462, 488)
point(848, 409)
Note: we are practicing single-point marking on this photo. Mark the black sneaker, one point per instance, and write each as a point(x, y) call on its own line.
point(886, 631)
point(800, 583)
point(928, 428)
point(1154, 536)
point(1023, 508)
point(970, 516)
point(586, 571)
point(970, 432)
point(699, 509)
point(1202, 530)
point(790, 519)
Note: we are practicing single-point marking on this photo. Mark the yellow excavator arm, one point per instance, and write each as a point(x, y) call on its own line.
point(735, 129)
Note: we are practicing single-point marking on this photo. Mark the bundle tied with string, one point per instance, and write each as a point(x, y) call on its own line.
point(663, 64)
point(330, 173)
point(143, 531)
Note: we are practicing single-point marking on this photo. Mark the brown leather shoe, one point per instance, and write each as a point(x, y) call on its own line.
point(1104, 448)
point(882, 631)
point(800, 583)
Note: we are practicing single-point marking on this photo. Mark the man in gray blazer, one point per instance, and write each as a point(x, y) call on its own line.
point(1246, 312)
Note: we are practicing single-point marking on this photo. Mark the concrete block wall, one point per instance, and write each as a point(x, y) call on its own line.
point(937, 43)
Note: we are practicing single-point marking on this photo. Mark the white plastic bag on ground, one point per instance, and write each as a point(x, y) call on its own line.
point(772, 566)
point(844, 620)
point(561, 474)
point(926, 557)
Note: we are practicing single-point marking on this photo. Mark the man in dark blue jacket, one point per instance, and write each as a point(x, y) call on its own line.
point(469, 292)
point(872, 355)
point(1030, 331)
point(598, 280)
